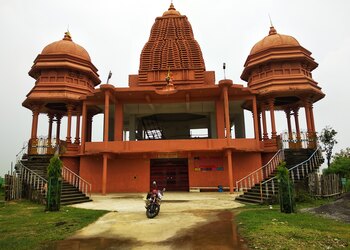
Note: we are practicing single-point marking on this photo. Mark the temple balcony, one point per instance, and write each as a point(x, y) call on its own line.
point(154, 146)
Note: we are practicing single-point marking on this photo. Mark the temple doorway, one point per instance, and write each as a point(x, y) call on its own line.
point(171, 174)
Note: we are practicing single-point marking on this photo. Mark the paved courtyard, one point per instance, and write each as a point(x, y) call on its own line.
point(186, 220)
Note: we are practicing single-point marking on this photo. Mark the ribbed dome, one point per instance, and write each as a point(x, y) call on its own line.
point(171, 45)
point(66, 46)
point(274, 40)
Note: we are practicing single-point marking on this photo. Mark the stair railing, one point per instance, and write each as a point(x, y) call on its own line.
point(78, 182)
point(297, 172)
point(31, 178)
point(23, 151)
point(260, 174)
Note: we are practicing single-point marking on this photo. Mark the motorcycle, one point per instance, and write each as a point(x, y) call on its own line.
point(153, 201)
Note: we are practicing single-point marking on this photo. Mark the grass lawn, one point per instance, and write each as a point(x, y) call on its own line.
point(25, 225)
point(264, 228)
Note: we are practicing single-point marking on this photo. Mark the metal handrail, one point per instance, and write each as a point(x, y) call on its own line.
point(258, 175)
point(20, 154)
point(32, 178)
point(309, 164)
point(78, 182)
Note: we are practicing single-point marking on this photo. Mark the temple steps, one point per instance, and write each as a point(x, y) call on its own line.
point(269, 193)
point(69, 194)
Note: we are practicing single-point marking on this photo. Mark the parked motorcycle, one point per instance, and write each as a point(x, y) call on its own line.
point(153, 201)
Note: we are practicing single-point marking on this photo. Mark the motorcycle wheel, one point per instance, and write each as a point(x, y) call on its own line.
point(152, 211)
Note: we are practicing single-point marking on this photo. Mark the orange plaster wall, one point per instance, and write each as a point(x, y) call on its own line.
point(245, 163)
point(123, 175)
point(266, 157)
point(242, 164)
point(91, 171)
point(128, 175)
point(71, 163)
point(211, 178)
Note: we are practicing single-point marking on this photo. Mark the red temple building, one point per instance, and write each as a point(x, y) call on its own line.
point(174, 123)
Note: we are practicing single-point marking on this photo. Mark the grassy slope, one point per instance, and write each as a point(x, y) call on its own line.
point(265, 228)
point(25, 225)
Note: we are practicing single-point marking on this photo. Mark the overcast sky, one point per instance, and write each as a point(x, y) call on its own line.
point(114, 32)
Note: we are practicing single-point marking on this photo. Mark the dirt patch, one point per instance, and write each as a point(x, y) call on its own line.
point(338, 210)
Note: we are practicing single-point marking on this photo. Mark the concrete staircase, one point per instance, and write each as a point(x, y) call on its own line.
point(69, 193)
point(268, 191)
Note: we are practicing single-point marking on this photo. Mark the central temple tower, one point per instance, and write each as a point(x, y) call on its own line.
point(171, 47)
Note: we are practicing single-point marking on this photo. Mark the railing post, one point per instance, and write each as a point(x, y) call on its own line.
point(298, 175)
point(267, 190)
point(302, 170)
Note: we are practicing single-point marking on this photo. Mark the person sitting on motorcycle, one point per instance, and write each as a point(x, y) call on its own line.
point(154, 191)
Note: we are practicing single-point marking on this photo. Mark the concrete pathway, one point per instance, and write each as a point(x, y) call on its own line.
point(180, 214)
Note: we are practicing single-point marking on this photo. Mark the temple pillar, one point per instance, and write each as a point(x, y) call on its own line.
point(104, 174)
point(49, 132)
point(58, 128)
point(35, 122)
point(77, 130)
point(106, 117)
point(263, 114)
point(227, 112)
point(255, 117)
point(308, 118)
point(272, 116)
point(297, 128)
point(259, 126)
point(311, 135)
point(69, 122)
point(290, 131)
point(50, 150)
point(89, 127)
point(229, 166)
point(83, 128)
point(33, 137)
point(312, 119)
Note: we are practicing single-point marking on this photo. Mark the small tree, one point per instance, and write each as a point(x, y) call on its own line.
point(327, 138)
point(342, 153)
point(285, 189)
point(340, 164)
point(54, 187)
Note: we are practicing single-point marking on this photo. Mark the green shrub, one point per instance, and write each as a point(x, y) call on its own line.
point(54, 185)
point(302, 195)
point(55, 166)
point(285, 189)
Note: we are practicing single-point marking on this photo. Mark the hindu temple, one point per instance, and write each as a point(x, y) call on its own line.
point(174, 123)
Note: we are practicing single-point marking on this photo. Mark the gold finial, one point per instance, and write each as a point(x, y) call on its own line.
point(171, 6)
point(67, 36)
